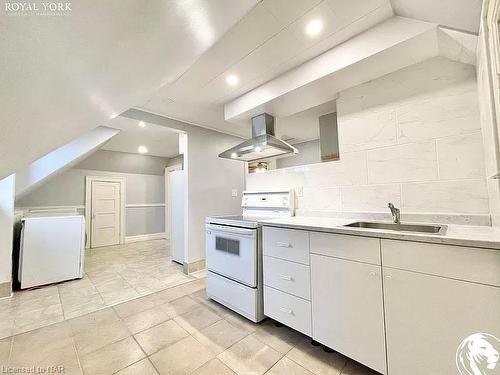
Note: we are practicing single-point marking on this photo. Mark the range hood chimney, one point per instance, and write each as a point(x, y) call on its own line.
point(262, 145)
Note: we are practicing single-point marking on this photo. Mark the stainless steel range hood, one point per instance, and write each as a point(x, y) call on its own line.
point(262, 145)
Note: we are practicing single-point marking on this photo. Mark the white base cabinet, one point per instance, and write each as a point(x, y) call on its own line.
point(427, 317)
point(399, 307)
point(347, 309)
point(287, 288)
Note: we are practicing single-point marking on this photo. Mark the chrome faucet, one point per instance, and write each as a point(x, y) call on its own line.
point(396, 213)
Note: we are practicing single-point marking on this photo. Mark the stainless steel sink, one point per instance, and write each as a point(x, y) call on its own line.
point(415, 228)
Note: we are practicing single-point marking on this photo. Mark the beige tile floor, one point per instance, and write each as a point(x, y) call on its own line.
point(175, 330)
point(113, 274)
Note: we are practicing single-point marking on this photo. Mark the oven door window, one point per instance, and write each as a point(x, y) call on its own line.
point(227, 245)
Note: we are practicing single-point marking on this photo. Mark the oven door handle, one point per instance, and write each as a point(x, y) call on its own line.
point(231, 230)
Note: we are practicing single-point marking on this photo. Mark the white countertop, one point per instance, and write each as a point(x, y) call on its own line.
point(460, 235)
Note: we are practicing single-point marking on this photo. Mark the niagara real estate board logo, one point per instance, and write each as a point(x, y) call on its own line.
point(478, 355)
point(37, 8)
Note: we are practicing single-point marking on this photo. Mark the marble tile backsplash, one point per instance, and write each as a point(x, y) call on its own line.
point(412, 137)
point(403, 163)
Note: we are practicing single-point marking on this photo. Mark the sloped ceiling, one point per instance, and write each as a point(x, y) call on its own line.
point(159, 140)
point(61, 76)
point(461, 15)
point(269, 41)
point(313, 82)
point(388, 47)
point(61, 159)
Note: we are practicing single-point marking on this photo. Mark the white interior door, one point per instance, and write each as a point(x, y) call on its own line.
point(105, 213)
point(176, 186)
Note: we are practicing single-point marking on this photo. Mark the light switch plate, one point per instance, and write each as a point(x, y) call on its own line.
point(234, 192)
point(300, 191)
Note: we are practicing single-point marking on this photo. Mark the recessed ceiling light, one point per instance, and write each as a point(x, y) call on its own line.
point(314, 27)
point(232, 80)
point(234, 155)
point(142, 149)
point(142, 124)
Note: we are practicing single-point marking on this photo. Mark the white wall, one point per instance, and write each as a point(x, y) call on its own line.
point(488, 125)
point(177, 160)
point(6, 227)
point(68, 189)
point(412, 137)
point(124, 162)
point(210, 181)
point(309, 153)
point(144, 181)
point(209, 178)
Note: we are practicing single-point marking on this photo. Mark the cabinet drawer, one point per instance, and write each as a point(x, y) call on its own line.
point(287, 309)
point(361, 249)
point(457, 262)
point(240, 298)
point(290, 277)
point(286, 244)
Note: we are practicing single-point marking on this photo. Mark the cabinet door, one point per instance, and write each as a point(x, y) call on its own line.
point(427, 317)
point(347, 309)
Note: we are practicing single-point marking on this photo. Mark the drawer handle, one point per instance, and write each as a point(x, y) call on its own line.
point(286, 277)
point(286, 310)
point(283, 244)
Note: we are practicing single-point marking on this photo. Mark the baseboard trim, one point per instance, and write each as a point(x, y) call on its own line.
point(5, 290)
point(145, 237)
point(194, 266)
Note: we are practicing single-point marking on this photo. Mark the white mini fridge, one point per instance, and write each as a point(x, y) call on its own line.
point(52, 249)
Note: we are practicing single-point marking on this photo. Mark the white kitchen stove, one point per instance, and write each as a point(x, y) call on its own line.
point(234, 251)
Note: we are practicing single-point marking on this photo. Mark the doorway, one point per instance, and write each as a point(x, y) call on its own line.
point(105, 211)
point(175, 196)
